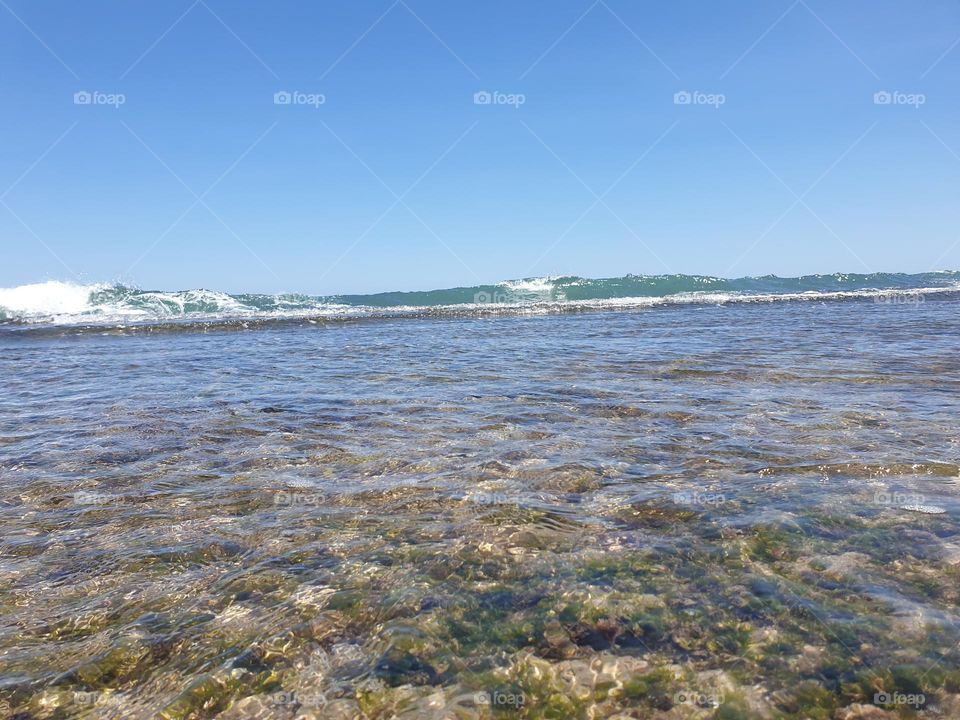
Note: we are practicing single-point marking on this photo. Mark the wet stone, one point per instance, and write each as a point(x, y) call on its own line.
point(397, 667)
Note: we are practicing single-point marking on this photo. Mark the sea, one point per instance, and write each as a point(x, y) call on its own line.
point(671, 497)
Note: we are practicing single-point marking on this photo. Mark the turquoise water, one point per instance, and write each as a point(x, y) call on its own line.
point(63, 303)
point(701, 509)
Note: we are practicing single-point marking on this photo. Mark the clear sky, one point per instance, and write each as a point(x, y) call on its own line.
point(183, 172)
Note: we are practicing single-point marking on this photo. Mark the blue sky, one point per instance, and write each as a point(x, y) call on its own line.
point(783, 162)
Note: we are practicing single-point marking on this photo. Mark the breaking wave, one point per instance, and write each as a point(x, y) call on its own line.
point(62, 303)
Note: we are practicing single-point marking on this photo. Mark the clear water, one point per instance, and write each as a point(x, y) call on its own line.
point(744, 510)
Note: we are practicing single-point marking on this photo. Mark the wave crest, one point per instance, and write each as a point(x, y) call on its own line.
point(55, 302)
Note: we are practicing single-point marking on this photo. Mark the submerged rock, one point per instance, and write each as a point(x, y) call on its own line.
point(863, 712)
point(256, 708)
point(397, 667)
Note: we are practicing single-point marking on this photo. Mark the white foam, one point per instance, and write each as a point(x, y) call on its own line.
point(65, 303)
point(530, 285)
point(47, 299)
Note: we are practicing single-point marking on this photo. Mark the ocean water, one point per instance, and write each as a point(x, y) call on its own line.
point(60, 303)
point(661, 497)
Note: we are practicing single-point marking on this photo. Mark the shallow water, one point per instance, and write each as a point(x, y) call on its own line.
point(693, 511)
